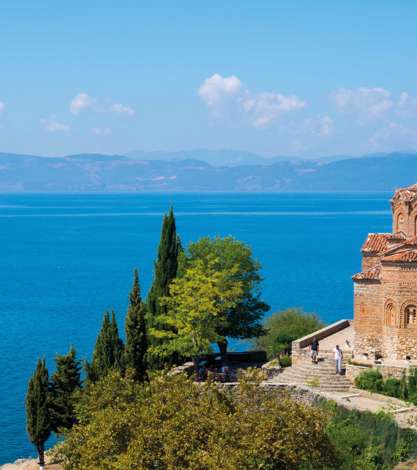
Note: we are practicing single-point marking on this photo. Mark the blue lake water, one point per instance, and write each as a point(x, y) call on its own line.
point(67, 258)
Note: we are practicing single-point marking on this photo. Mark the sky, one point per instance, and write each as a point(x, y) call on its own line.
point(275, 77)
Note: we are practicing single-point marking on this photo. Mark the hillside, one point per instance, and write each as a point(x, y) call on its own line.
point(114, 173)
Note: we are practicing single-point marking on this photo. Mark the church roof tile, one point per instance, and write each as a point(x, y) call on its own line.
point(372, 274)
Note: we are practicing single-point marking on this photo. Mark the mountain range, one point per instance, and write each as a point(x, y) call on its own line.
point(204, 170)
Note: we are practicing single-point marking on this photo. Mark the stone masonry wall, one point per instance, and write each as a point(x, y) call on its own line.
point(368, 325)
point(399, 288)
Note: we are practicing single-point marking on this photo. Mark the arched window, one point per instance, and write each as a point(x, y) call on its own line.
point(410, 314)
point(400, 223)
point(390, 314)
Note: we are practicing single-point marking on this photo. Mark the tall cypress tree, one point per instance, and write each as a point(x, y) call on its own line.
point(37, 410)
point(136, 333)
point(64, 382)
point(108, 352)
point(166, 265)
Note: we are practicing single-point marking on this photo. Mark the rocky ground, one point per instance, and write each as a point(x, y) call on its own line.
point(30, 464)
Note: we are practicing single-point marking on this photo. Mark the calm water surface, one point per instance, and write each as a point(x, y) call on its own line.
point(67, 258)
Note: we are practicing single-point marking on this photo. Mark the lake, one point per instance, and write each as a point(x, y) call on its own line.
point(65, 259)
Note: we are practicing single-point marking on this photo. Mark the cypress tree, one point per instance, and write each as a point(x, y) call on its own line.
point(108, 351)
point(64, 382)
point(136, 333)
point(166, 265)
point(37, 410)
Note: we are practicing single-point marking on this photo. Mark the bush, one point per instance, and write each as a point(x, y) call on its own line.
point(365, 440)
point(370, 380)
point(285, 361)
point(285, 327)
point(392, 387)
point(171, 423)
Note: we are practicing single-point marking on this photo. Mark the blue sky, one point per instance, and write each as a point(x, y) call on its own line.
point(274, 77)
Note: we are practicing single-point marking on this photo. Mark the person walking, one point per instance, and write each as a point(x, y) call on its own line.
point(314, 350)
point(338, 357)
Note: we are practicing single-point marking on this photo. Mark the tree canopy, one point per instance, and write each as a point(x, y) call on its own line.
point(195, 308)
point(136, 333)
point(108, 351)
point(166, 264)
point(37, 409)
point(242, 319)
point(285, 327)
point(171, 423)
point(64, 382)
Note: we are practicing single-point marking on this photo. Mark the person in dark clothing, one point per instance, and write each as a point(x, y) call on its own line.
point(314, 350)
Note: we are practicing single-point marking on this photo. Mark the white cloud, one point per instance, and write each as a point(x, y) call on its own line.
point(393, 136)
point(82, 102)
point(102, 131)
point(216, 88)
point(226, 94)
point(2, 106)
point(406, 105)
point(266, 107)
point(121, 109)
point(322, 126)
point(54, 126)
point(367, 103)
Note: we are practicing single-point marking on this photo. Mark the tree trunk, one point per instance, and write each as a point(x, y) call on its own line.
point(41, 453)
point(223, 350)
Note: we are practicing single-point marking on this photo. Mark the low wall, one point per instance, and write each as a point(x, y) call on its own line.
point(298, 346)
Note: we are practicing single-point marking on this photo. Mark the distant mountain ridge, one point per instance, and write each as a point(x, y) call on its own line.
point(182, 171)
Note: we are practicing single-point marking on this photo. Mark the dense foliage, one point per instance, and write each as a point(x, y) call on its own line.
point(367, 441)
point(195, 309)
point(165, 271)
point(136, 333)
point(166, 264)
point(404, 388)
point(285, 327)
point(243, 319)
point(171, 423)
point(64, 382)
point(108, 351)
point(37, 409)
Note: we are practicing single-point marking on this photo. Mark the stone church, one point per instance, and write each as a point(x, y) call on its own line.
point(385, 291)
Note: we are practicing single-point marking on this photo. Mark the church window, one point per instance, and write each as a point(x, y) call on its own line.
point(411, 315)
point(389, 314)
point(400, 223)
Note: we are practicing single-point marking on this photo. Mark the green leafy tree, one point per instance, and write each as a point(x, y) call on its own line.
point(136, 333)
point(194, 309)
point(166, 265)
point(243, 319)
point(64, 382)
point(37, 410)
point(108, 351)
point(285, 327)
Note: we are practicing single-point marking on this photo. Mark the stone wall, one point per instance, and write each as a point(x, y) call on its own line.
point(368, 325)
point(299, 346)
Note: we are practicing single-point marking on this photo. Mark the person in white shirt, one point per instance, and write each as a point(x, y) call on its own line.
point(338, 356)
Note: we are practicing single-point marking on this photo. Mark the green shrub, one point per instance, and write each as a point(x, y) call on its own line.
point(366, 441)
point(285, 361)
point(285, 327)
point(392, 387)
point(370, 380)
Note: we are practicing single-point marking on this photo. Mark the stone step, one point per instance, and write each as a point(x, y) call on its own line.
point(305, 377)
point(313, 373)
